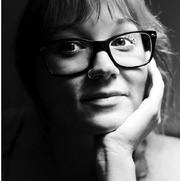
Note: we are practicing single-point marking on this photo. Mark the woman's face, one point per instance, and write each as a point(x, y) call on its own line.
point(100, 105)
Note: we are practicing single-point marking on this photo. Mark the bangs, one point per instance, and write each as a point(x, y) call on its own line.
point(137, 11)
point(60, 14)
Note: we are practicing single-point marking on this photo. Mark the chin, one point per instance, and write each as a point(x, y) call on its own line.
point(101, 117)
point(104, 123)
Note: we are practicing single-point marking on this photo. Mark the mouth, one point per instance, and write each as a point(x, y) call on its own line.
point(104, 99)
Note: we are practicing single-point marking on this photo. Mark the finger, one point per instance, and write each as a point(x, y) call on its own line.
point(157, 82)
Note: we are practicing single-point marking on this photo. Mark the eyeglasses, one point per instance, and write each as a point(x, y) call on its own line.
point(73, 56)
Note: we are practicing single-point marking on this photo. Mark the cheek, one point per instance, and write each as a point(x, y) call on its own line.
point(137, 85)
point(57, 92)
point(59, 95)
point(52, 89)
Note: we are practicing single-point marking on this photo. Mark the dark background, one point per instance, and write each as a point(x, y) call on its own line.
point(168, 12)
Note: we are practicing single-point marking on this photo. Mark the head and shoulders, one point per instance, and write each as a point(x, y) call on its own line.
point(67, 98)
point(76, 23)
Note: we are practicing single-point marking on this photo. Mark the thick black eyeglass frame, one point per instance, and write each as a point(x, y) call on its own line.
point(97, 47)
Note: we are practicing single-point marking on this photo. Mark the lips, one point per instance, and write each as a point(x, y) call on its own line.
point(104, 99)
point(101, 95)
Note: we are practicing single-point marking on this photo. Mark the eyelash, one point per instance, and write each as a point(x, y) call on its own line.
point(125, 47)
point(128, 38)
point(64, 45)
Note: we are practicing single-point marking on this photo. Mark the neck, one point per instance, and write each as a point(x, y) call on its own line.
point(74, 153)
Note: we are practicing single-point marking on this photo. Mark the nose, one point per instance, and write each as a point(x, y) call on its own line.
point(104, 67)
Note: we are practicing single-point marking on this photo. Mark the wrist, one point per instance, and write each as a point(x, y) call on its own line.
point(115, 166)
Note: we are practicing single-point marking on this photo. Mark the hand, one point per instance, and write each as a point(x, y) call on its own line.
point(114, 150)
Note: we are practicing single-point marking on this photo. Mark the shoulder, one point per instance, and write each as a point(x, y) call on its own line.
point(163, 144)
point(163, 158)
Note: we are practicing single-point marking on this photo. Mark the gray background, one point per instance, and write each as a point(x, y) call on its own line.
point(169, 16)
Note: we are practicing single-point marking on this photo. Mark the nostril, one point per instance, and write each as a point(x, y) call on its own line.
point(91, 76)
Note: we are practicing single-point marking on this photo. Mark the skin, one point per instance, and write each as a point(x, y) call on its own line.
point(66, 98)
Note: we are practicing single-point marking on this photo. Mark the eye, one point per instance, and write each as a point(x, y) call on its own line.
point(70, 47)
point(125, 42)
point(67, 49)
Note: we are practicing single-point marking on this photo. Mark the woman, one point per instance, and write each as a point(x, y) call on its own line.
point(90, 67)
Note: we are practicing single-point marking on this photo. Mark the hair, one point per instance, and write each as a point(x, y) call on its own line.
point(42, 18)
